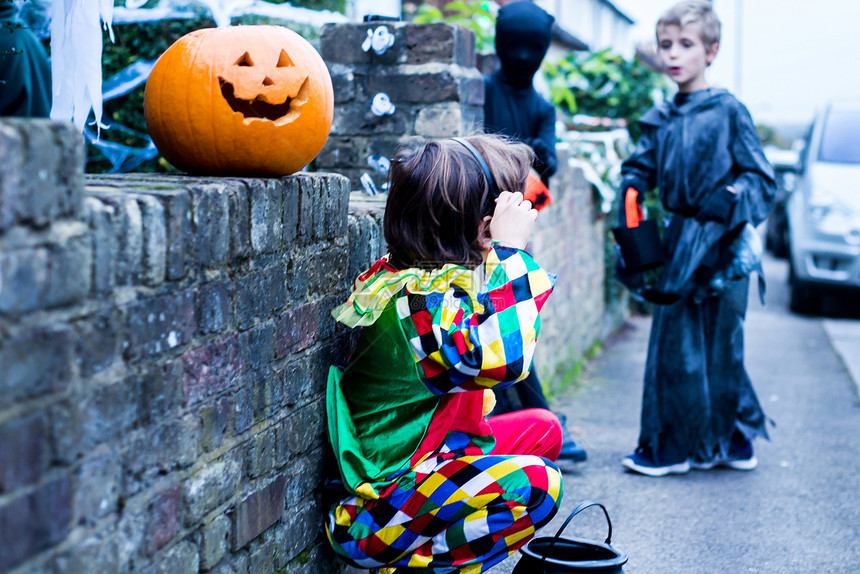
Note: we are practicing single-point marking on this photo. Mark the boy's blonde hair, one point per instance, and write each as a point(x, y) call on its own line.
point(699, 11)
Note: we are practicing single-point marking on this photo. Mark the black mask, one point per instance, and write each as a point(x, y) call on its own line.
point(523, 33)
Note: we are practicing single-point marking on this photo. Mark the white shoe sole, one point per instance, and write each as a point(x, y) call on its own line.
point(744, 464)
point(679, 468)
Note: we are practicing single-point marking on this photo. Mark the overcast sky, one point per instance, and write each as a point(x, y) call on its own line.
point(795, 54)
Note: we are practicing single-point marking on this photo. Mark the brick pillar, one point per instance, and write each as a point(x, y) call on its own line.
point(429, 76)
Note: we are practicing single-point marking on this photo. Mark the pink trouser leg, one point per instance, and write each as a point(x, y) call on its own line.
point(529, 431)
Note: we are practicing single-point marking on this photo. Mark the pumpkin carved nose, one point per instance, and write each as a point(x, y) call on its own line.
point(268, 81)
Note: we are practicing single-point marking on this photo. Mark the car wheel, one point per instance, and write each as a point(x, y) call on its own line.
point(780, 243)
point(803, 298)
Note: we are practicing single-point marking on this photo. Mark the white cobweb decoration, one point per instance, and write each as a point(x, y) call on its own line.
point(76, 58)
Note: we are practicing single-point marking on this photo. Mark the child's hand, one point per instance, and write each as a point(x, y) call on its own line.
point(513, 220)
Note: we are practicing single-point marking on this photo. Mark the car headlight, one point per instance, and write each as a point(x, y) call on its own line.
point(830, 216)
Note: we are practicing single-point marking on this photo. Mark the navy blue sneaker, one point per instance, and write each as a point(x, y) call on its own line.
point(569, 449)
point(740, 456)
point(643, 462)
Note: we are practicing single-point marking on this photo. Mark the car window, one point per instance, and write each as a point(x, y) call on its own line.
point(840, 138)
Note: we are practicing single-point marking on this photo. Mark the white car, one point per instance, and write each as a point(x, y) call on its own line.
point(824, 210)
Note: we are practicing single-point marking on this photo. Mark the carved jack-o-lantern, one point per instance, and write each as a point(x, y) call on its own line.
point(253, 100)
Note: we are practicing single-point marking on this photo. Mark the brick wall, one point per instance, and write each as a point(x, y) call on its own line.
point(429, 75)
point(164, 345)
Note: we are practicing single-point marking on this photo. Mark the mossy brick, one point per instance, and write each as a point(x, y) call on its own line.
point(177, 225)
point(261, 553)
point(259, 294)
point(310, 195)
point(295, 379)
point(32, 522)
point(213, 424)
point(182, 557)
point(35, 362)
point(211, 369)
point(243, 410)
point(40, 188)
point(160, 390)
point(11, 174)
point(428, 86)
point(439, 42)
point(164, 514)
point(97, 487)
point(300, 529)
point(302, 430)
point(25, 275)
point(101, 218)
point(290, 212)
point(24, 451)
point(259, 452)
point(154, 263)
point(214, 541)
point(305, 478)
point(158, 325)
point(159, 449)
point(233, 564)
point(343, 85)
point(258, 346)
point(129, 231)
point(337, 206)
point(213, 306)
point(267, 197)
point(296, 329)
point(257, 512)
point(70, 261)
point(342, 43)
point(358, 119)
point(339, 151)
point(211, 224)
point(210, 487)
point(296, 277)
point(441, 120)
point(86, 420)
point(98, 553)
point(329, 271)
point(240, 222)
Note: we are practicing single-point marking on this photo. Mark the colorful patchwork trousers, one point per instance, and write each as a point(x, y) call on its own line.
point(466, 511)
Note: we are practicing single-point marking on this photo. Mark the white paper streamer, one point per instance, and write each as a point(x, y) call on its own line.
point(76, 58)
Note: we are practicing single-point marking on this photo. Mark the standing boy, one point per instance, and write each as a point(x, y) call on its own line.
point(702, 152)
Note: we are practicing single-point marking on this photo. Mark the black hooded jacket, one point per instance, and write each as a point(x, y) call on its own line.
point(512, 106)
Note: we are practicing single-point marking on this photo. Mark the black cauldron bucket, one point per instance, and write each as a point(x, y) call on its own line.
point(641, 246)
point(557, 555)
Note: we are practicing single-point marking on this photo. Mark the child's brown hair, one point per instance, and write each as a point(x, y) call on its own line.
point(438, 198)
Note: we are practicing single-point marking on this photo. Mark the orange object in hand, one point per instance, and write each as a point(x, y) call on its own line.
point(632, 209)
point(536, 191)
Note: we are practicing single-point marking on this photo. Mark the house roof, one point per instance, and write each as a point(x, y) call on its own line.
point(618, 11)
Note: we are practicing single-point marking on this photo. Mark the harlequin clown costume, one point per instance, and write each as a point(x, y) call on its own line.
point(433, 483)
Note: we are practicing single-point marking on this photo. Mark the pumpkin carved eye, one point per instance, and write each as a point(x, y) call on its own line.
point(284, 60)
point(244, 60)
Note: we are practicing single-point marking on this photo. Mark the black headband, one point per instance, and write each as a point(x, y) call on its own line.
point(494, 189)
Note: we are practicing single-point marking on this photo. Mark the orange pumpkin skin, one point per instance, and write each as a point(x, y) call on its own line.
point(204, 92)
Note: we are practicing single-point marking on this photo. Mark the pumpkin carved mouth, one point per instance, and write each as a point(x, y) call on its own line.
point(259, 109)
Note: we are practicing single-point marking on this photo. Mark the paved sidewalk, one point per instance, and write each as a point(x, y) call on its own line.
point(797, 513)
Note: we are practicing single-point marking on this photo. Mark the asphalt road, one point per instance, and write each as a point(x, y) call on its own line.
point(798, 512)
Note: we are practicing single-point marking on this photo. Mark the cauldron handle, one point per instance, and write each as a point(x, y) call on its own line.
point(580, 507)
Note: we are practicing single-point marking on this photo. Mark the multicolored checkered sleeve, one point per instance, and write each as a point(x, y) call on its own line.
point(461, 349)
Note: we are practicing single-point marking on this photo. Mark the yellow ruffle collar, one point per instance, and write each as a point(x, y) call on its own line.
point(376, 287)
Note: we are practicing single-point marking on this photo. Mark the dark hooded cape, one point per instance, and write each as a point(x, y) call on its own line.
point(697, 392)
point(25, 72)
